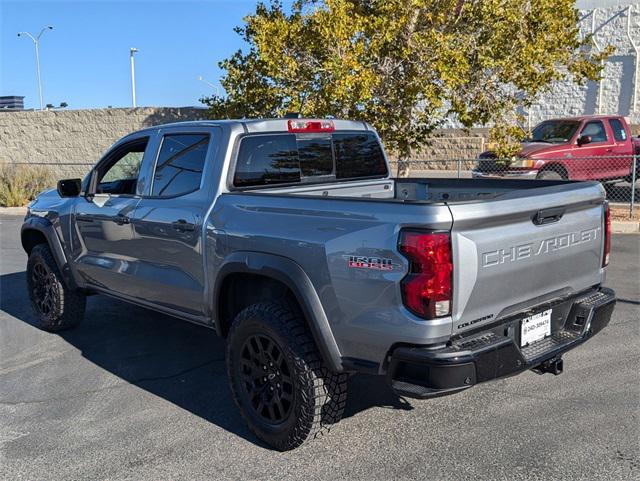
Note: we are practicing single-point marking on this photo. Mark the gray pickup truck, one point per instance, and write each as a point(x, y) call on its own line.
point(290, 238)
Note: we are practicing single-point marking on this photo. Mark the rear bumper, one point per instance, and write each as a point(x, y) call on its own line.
point(507, 174)
point(420, 372)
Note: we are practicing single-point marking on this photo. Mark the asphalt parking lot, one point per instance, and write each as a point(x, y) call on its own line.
point(132, 394)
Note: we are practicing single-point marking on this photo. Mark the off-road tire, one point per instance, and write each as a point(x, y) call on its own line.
point(550, 175)
point(55, 306)
point(318, 394)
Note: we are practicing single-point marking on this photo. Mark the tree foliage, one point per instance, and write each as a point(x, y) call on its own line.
point(404, 65)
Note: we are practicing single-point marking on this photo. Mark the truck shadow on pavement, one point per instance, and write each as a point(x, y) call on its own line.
point(170, 358)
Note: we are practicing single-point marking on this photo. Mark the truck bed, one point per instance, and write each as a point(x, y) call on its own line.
point(424, 190)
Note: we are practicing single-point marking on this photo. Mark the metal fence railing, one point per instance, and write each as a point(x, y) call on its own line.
point(619, 174)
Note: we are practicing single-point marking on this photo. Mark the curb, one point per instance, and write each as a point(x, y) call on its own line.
point(625, 227)
point(13, 211)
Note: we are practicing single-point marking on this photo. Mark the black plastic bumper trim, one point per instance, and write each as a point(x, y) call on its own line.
point(419, 372)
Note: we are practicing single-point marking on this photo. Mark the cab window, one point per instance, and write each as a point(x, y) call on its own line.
point(595, 129)
point(180, 164)
point(618, 130)
point(118, 174)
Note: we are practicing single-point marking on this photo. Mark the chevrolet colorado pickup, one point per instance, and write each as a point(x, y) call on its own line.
point(289, 238)
point(592, 147)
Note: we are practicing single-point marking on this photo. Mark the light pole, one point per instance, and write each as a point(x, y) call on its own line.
point(217, 89)
point(133, 50)
point(36, 43)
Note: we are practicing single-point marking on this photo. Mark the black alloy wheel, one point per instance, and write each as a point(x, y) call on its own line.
point(44, 289)
point(266, 378)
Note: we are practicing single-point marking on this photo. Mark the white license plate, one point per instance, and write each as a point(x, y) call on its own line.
point(536, 327)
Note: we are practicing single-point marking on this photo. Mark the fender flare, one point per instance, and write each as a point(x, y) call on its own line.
point(46, 228)
point(293, 276)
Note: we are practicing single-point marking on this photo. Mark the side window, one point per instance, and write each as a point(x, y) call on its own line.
point(595, 129)
point(180, 164)
point(618, 130)
point(358, 155)
point(119, 175)
point(267, 159)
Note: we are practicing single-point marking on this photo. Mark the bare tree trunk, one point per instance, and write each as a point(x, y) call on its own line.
point(404, 167)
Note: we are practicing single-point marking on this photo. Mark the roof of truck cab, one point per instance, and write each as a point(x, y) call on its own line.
point(587, 117)
point(263, 125)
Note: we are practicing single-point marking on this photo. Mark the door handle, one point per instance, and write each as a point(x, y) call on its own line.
point(121, 219)
point(182, 225)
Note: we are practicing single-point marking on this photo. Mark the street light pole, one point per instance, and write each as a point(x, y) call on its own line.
point(217, 89)
point(36, 43)
point(133, 50)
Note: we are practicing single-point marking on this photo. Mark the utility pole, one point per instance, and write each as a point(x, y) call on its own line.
point(133, 50)
point(36, 43)
point(213, 86)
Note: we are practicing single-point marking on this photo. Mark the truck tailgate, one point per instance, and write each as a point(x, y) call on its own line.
point(523, 248)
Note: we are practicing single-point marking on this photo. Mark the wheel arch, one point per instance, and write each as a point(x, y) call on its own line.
point(273, 271)
point(556, 167)
point(37, 230)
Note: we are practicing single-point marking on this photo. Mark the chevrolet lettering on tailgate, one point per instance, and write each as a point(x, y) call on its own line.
point(534, 249)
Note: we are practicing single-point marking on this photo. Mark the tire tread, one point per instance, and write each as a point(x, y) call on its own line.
point(70, 305)
point(323, 404)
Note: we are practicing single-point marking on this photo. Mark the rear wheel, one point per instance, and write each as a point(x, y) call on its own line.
point(278, 380)
point(55, 305)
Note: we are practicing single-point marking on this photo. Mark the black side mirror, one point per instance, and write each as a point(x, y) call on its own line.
point(584, 139)
point(69, 187)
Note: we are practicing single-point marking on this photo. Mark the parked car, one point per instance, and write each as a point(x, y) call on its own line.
point(577, 148)
point(290, 239)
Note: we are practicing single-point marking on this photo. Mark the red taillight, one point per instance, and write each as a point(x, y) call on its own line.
point(427, 288)
point(607, 235)
point(310, 126)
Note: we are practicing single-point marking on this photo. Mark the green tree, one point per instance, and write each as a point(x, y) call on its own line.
point(404, 65)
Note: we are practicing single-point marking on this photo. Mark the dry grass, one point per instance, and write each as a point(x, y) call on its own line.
point(20, 184)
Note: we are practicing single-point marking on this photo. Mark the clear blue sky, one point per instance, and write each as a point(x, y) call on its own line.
point(85, 59)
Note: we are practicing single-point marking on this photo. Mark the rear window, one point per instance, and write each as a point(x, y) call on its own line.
point(291, 158)
point(267, 159)
point(358, 156)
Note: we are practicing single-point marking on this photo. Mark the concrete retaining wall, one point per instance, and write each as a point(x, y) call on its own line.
point(70, 141)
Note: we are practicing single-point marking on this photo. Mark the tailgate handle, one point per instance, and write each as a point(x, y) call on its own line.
point(548, 216)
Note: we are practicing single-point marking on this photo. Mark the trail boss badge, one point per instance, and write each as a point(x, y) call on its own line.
point(364, 262)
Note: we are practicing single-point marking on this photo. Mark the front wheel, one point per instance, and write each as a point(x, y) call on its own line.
point(278, 380)
point(550, 175)
point(55, 305)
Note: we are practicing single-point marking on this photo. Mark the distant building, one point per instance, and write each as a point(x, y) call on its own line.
point(12, 102)
point(615, 23)
point(612, 22)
